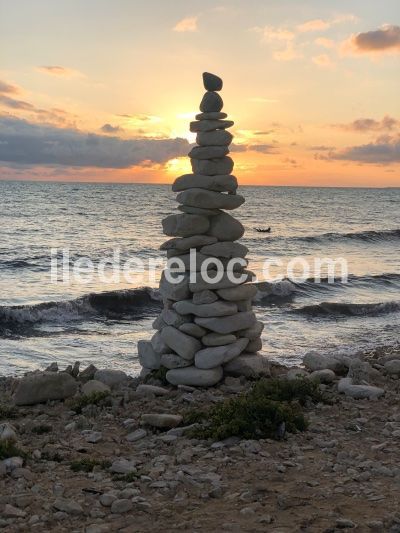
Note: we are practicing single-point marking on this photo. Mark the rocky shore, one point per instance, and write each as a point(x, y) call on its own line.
point(117, 454)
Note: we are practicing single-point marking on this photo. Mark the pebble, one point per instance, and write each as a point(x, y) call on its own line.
point(68, 506)
point(121, 506)
point(161, 420)
point(93, 386)
point(212, 82)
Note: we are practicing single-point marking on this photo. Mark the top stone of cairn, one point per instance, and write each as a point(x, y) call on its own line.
point(212, 82)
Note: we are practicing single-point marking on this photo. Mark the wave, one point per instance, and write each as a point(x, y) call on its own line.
point(119, 304)
point(337, 309)
point(364, 236)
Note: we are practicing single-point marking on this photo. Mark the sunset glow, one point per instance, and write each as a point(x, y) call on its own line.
point(312, 87)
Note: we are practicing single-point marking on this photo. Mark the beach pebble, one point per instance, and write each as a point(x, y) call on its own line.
point(161, 420)
point(181, 343)
point(208, 152)
point(204, 297)
point(296, 373)
point(216, 339)
point(323, 376)
point(210, 125)
point(174, 291)
point(112, 378)
point(218, 355)
point(195, 377)
point(157, 343)
point(224, 282)
point(209, 199)
point(123, 466)
point(214, 138)
point(121, 506)
point(225, 228)
point(193, 329)
point(67, 506)
point(229, 249)
point(144, 390)
point(136, 435)
point(211, 167)
point(241, 292)
point(211, 102)
point(7, 433)
point(185, 225)
point(198, 211)
point(10, 511)
point(227, 324)
point(212, 115)
point(94, 385)
point(393, 367)
point(41, 387)
point(254, 345)
point(316, 361)
point(345, 386)
point(172, 360)
point(186, 243)
point(252, 332)
point(212, 82)
point(248, 365)
point(218, 308)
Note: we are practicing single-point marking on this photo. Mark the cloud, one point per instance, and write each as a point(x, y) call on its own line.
point(261, 148)
point(313, 25)
point(322, 148)
point(383, 151)
point(323, 60)
point(261, 100)
point(26, 143)
point(7, 88)
point(188, 24)
point(324, 42)
point(108, 128)
point(370, 124)
point(385, 39)
point(61, 72)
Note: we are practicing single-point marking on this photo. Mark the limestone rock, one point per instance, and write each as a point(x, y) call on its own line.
point(193, 329)
point(393, 367)
point(94, 385)
point(227, 324)
point(211, 167)
point(185, 225)
point(234, 294)
point(254, 345)
point(214, 138)
point(216, 339)
point(208, 152)
point(172, 360)
point(174, 291)
point(188, 242)
point(225, 228)
point(345, 386)
point(248, 365)
point(181, 343)
point(253, 332)
point(222, 183)
point(143, 389)
point(211, 102)
point(198, 211)
point(195, 377)
point(161, 420)
point(210, 125)
point(111, 377)
point(225, 282)
point(209, 199)
point(204, 297)
point(158, 344)
point(41, 387)
point(227, 249)
point(218, 308)
point(212, 82)
point(212, 115)
point(219, 355)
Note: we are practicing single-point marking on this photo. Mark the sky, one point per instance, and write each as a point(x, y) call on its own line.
point(104, 90)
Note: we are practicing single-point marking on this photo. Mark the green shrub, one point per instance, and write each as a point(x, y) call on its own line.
point(159, 374)
point(10, 449)
point(7, 412)
point(87, 464)
point(261, 412)
point(102, 399)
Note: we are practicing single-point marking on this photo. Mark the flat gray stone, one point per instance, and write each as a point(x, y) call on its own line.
point(212, 82)
point(93, 386)
point(219, 355)
point(210, 125)
point(209, 199)
point(158, 344)
point(193, 330)
point(195, 377)
point(212, 115)
point(121, 506)
point(223, 183)
point(161, 420)
point(41, 387)
point(188, 242)
point(172, 360)
point(208, 152)
point(148, 358)
point(316, 361)
point(323, 376)
point(143, 389)
point(211, 102)
point(252, 332)
point(174, 291)
point(195, 261)
point(227, 324)
point(181, 343)
point(185, 225)
point(214, 138)
point(199, 211)
point(218, 308)
point(68, 506)
point(216, 339)
point(200, 284)
point(212, 167)
point(172, 318)
point(136, 435)
point(254, 345)
point(225, 228)
point(248, 365)
point(226, 249)
point(111, 377)
point(246, 291)
point(346, 387)
point(393, 367)
point(204, 297)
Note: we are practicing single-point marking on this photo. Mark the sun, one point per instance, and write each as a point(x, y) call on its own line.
point(178, 166)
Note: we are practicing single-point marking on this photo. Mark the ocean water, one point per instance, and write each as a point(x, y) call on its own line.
point(100, 321)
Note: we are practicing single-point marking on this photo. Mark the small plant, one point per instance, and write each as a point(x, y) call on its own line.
point(10, 449)
point(102, 399)
point(261, 412)
point(88, 464)
point(127, 478)
point(41, 429)
point(159, 374)
point(7, 412)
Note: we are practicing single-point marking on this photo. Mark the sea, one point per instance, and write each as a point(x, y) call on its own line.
point(328, 272)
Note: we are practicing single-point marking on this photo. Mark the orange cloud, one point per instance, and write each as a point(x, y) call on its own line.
point(188, 24)
point(323, 60)
point(313, 25)
point(383, 40)
point(61, 72)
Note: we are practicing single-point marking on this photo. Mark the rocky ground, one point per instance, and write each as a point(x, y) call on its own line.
point(343, 472)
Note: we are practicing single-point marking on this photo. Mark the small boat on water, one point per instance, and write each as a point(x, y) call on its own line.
point(263, 230)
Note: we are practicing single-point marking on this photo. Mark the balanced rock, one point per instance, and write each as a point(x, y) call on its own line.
point(210, 167)
point(148, 358)
point(208, 152)
point(41, 387)
point(345, 386)
point(204, 297)
point(219, 355)
point(185, 225)
point(212, 82)
point(218, 308)
point(234, 294)
point(193, 329)
point(223, 183)
point(212, 115)
point(199, 211)
point(224, 282)
point(209, 199)
point(225, 228)
point(188, 242)
point(172, 360)
point(216, 339)
point(226, 249)
point(252, 332)
point(172, 290)
point(211, 103)
point(214, 138)
point(195, 377)
point(181, 343)
point(248, 365)
point(210, 125)
point(227, 324)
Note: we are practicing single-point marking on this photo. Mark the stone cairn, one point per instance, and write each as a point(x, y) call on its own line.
point(207, 329)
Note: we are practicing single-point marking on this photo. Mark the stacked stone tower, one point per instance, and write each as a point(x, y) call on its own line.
point(207, 328)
